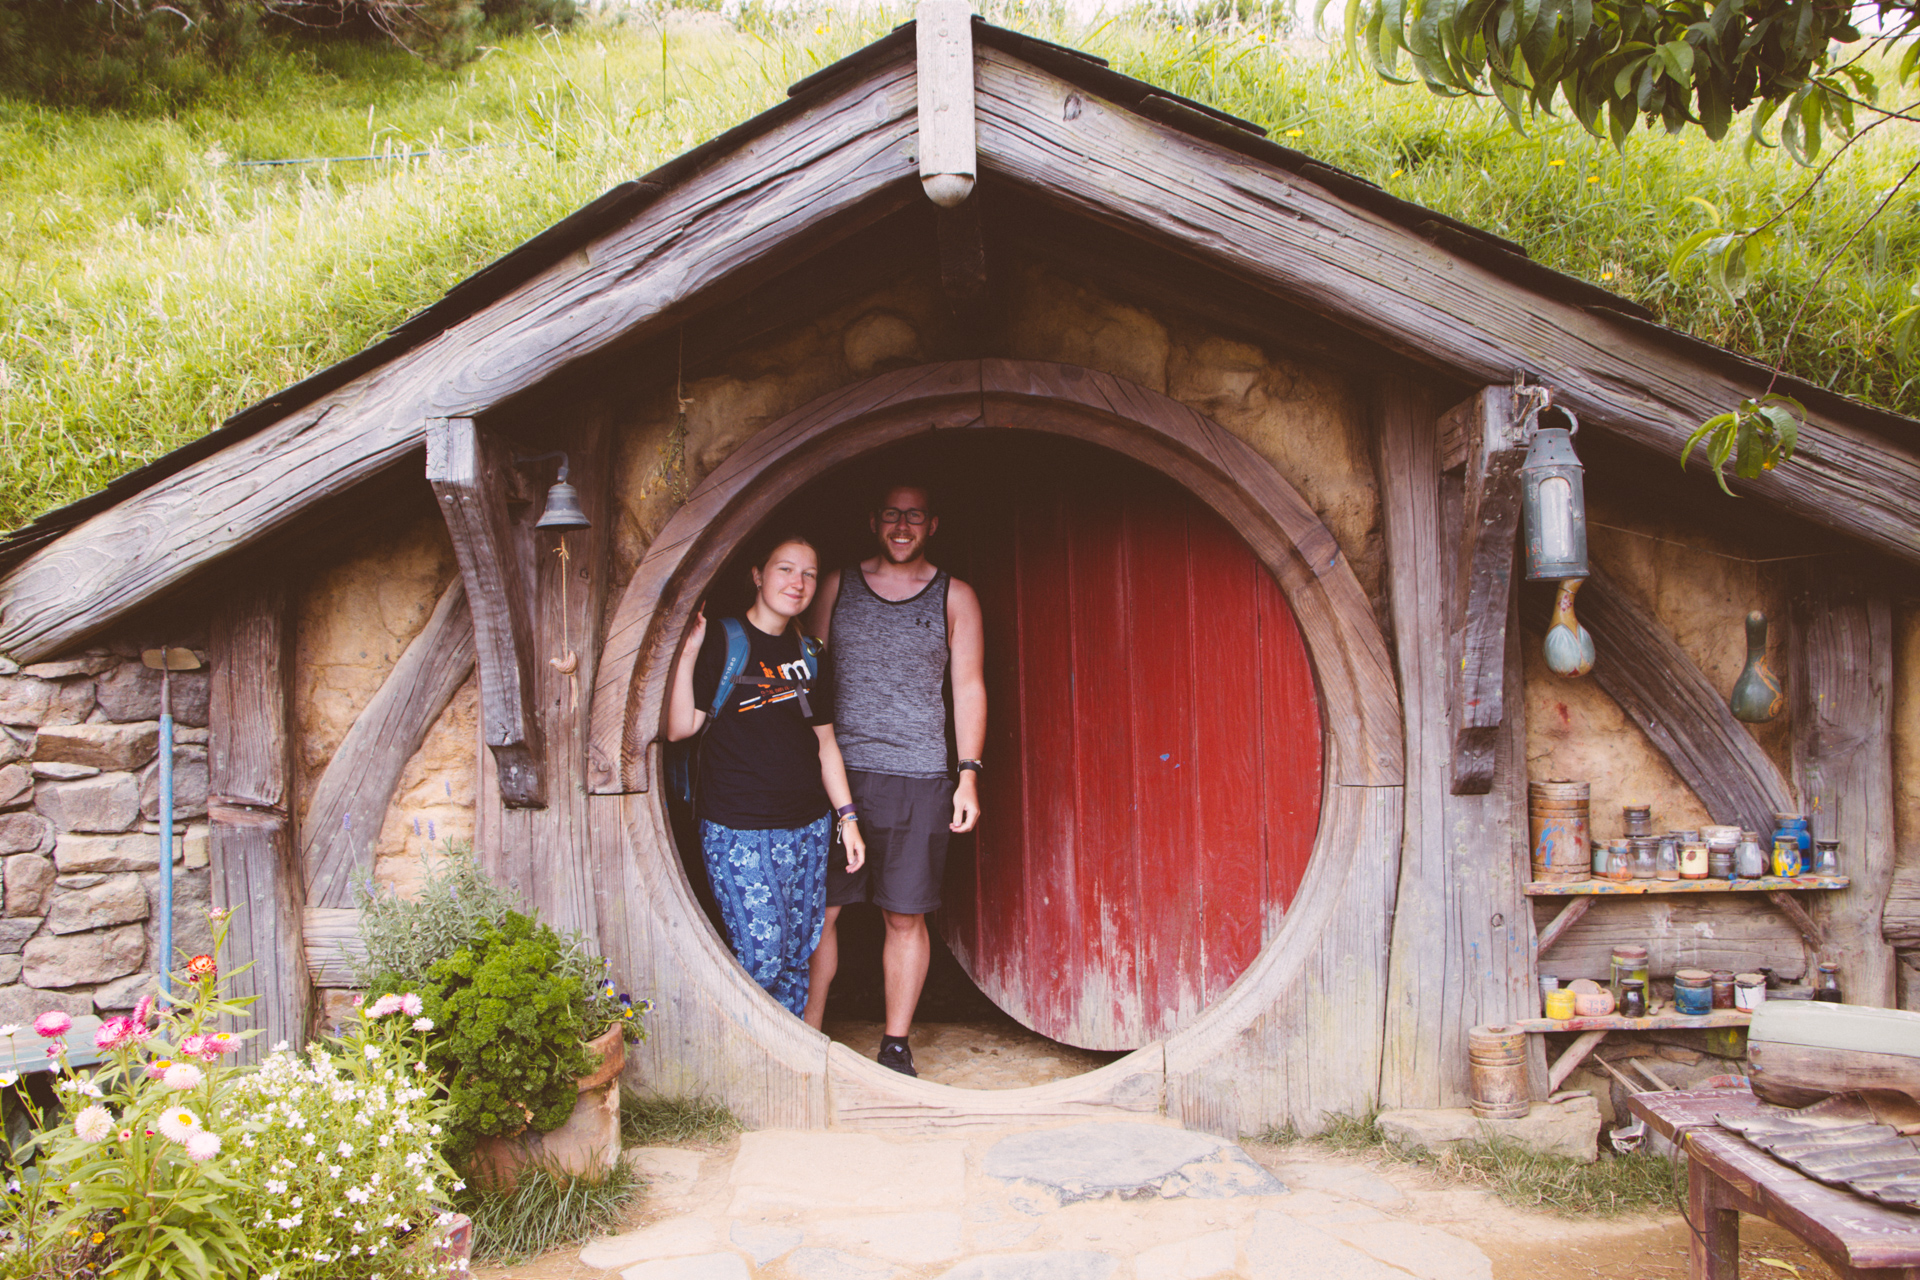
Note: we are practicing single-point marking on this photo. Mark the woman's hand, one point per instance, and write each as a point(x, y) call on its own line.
point(697, 632)
point(856, 844)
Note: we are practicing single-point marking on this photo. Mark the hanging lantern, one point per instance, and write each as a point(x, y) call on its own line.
point(1556, 502)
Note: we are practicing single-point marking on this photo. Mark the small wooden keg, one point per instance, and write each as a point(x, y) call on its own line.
point(1497, 1071)
point(1559, 830)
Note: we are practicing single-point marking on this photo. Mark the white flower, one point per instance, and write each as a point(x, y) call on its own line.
point(203, 1146)
point(178, 1123)
point(182, 1075)
point(345, 1149)
point(423, 1024)
point(9, 1029)
point(372, 1052)
point(276, 1187)
point(93, 1124)
point(410, 1005)
point(8, 1079)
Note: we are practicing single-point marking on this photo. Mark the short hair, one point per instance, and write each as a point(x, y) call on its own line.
point(886, 487)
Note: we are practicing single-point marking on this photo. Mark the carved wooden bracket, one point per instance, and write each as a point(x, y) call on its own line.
point(943, 37)
point(1486, 436)
point(471, 471)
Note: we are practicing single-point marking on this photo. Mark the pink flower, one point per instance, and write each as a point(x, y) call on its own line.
point(182, 1075)
point(157, 1069)
point(223, 1042)
point(384, 1005)
point(53, 1023)
point(143, 1010)
point(203, 1146)
point(358, 999)
point(410, 1005)
point(114, 1033)
point(198, 1046)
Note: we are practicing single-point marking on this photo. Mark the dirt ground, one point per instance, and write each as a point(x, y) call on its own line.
point(980, 1054)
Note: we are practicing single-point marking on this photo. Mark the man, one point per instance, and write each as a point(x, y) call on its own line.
point(896, 628)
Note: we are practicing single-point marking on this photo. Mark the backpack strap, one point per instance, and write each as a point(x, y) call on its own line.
point(737, 654)
point(811, 647)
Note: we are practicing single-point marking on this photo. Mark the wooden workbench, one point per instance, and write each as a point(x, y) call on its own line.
point(1728, 1176)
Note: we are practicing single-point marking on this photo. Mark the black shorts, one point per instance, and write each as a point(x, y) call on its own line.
point(905, 822)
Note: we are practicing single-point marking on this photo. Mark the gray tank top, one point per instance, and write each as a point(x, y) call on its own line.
point(889, 668)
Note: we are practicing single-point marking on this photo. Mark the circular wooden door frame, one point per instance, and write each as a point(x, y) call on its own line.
point(1359, 701)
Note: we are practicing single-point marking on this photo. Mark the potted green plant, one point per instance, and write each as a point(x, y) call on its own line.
point(530, 1033)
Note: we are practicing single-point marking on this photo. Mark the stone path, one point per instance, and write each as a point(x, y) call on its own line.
point(1103, 1200)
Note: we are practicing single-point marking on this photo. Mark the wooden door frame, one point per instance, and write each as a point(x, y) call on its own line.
point(1298, 1034)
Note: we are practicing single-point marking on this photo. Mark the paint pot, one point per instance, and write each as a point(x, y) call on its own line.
point(1557, 824)
point(1723, 988)
point(1720, 863)
point(1693, 854)
point(1619, 859)
point(1497, 1072)
point(1633, 998)
point(1597, 1003)
point(1628, 963)
point(1636, 820)
point(1692, 992)
point(1601, 860)
point(1669, 866)
point(1749, 859)
point(1749, 991)
point(1790, 829)
point(1560, 1004)
point(1646, 857)
point(1826, 857)
point(1826, 987)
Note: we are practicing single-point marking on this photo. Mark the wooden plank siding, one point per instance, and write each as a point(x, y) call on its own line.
point(1463, 934)
point(1840, 686)
point(250, 793)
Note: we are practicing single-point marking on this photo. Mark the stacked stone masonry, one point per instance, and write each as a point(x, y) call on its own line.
point(80, 832)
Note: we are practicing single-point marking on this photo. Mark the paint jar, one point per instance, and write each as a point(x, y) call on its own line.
point(1791, 842)
point(1669, 863)
point(1826, 987)
point(1497, 1072)
point(1720, 863)
point(1560, 1004)
point(1749, 991)
point(1826, 857)
point(1693, 856)
point(1723, 988)
point(1620, 859)
point(1692, 992)
point(1590, 999)
point(1633, 998)
point(1628, 963)
point(1749, 859)
point(1719, 839)
point(1646, 857)
point(1548, 985)
point(1637, 820)
point(1600, 862)
point(1558, 828)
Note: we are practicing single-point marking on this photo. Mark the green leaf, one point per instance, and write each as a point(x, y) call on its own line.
point(1677, 57)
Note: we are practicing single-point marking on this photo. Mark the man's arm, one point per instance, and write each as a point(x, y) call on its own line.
point(966, 656)
point(819, 615)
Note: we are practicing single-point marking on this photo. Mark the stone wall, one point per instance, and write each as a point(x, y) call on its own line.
point(80, 833)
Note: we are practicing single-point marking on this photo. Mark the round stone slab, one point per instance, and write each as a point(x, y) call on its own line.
point(1129, 1160)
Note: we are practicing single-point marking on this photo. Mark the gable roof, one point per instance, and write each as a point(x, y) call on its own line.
point(836, 157)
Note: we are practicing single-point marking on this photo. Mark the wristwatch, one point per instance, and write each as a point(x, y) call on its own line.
point(966, 765)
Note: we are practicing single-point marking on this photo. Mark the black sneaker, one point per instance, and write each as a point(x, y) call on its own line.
point(897, 1057)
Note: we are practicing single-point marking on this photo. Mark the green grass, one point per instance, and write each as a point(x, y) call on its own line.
point(1525, 1179)
point(546, 1210)
point(150, 286)
point(657, 1122)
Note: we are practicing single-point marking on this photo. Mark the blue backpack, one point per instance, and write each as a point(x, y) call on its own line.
point(682, 762)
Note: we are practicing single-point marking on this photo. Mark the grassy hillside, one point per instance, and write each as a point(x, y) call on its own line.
point(156, 283)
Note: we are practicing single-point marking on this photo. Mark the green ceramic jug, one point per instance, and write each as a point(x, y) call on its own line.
point(1569, 645)
point(1757, 696)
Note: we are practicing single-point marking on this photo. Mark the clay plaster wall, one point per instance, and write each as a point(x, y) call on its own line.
point(1310, 423)
point(354, 620)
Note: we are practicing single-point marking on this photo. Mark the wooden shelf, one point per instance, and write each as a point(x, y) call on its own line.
point(1664, 1021)
point(1607, 888)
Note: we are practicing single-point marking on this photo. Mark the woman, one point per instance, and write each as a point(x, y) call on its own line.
point(769, 768)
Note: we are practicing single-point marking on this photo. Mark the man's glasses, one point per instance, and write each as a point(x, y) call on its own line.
point(894, 515)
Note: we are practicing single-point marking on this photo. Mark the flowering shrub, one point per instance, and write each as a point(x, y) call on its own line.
point(155, 1170)
point(337, 1163)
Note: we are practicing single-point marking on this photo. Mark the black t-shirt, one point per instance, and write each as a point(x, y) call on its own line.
point(760, 757)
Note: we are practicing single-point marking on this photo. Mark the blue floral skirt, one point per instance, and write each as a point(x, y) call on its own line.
point(772, 891)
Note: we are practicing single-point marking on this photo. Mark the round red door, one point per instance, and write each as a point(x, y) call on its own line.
point(1152, 789)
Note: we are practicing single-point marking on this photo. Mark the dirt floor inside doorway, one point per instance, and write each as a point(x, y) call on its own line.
point(986, 1051)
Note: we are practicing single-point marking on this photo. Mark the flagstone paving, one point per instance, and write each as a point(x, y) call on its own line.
point(1097, 1200)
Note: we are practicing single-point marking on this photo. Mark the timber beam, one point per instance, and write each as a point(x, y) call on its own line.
point(1491, 443)
point(470, 471)
point(964, 278)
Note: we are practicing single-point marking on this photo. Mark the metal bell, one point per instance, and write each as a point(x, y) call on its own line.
point(563, 508)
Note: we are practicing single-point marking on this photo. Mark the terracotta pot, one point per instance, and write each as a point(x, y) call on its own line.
point(588, 1140)
point(610, 1049)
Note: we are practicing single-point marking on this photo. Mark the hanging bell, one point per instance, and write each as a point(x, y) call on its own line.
point(563, 506)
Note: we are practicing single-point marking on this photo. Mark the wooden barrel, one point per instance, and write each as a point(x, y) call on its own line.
point(1497, 1072)
point(1558, 830)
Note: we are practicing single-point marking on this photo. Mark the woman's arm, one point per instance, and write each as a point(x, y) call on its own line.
point(683, 718)
point(833, 773)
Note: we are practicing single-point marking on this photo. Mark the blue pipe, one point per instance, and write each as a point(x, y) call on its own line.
point(166, 834)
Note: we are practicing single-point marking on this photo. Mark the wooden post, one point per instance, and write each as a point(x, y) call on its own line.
point(250, 776)
point(1493, 449)
point(943, 36)
point(1840, 686)
point(1463, 938)
point(470, 470)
